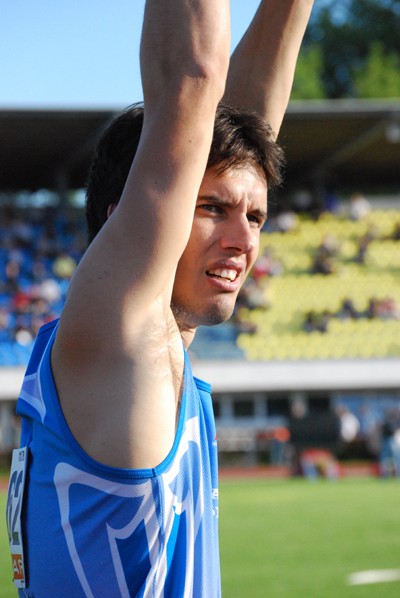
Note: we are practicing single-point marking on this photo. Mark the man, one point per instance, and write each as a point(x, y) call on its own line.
point(118, 441)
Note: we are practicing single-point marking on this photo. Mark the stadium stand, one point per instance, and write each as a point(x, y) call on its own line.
point(288, 313)
point(351, 310)
point(39, 253)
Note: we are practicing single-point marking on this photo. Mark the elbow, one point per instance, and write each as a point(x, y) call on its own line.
point(208, 73)
point(209, 76)
point(201, 70)
point(189, 84)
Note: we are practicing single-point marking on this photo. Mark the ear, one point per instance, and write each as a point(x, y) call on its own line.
point(110, 209)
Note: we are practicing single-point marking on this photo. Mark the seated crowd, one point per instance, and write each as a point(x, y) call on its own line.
point(40, 249)
point(383, 309)
point(39, 253)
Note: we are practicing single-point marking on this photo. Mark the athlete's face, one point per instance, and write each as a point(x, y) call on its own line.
point(223, 245)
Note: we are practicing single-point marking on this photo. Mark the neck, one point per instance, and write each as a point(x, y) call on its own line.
point(187, 336)
point(186, 331)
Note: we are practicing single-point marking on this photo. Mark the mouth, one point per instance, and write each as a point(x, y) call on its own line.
point(226, 274)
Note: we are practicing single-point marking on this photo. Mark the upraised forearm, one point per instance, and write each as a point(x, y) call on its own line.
point(184, 62)
point(263, 64)
point(184, 42)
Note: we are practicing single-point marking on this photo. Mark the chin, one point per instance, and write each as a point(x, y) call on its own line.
point(213, 319)
point(219, 311)
point(204, 315)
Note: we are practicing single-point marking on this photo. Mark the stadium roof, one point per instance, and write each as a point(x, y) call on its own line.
point(349, 144)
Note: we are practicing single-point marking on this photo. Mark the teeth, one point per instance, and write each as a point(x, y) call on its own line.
point(224, 273)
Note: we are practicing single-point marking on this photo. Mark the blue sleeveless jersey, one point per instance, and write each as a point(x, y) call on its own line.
point(95, 531)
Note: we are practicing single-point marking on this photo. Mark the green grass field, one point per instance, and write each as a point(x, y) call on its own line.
point(296, 539)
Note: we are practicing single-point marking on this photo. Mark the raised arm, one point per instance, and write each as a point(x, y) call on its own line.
point(263, 64)
point(184, 58)
point(184, 61)
point(117, 357)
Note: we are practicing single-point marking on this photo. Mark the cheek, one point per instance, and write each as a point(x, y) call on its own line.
point(201, 238)
point(254, 254)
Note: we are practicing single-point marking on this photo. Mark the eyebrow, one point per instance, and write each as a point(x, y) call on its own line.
point(224, 203)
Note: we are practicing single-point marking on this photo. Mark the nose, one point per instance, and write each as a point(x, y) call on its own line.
point(237, 235)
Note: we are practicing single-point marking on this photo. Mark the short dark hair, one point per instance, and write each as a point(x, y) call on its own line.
point(240, 138)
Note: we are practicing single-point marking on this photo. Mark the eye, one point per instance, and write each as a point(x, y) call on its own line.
point(254, 218)
point(211, 208)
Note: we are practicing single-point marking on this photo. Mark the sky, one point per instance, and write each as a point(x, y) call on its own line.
point(78, 53)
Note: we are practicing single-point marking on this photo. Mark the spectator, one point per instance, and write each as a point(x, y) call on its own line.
point(372, 309)
point(323, 264)
point(384, 309)
point(325, 256)
point(349, 425)
point(359, 206)
point(395, 236)
point(286, 221)
point(363, 244)
point(64, 266)
point(389, 456)
point(5, 325)
point(242, 324)
point(387, 309)
point(266, 265)
point(347, 310)
point(331, 201)
point(253, 294)
point(302, 200)
point(315, 322)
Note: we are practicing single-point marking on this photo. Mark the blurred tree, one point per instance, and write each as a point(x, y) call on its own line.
point(345, 32)
point(307, 83)
point(380, 76)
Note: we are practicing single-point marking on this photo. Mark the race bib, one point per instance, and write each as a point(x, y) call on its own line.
point(13, 514)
